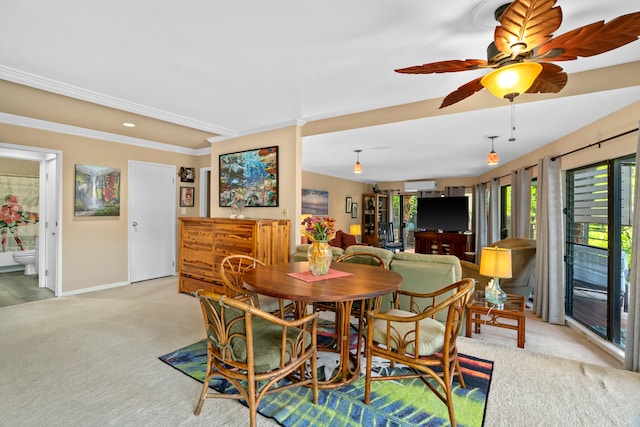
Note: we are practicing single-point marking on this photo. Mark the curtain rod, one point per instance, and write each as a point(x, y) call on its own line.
point(595, 143)
point(565, 154)
point(574, 151)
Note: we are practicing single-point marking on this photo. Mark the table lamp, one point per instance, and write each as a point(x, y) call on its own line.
point(495, 262)
point(355, 230)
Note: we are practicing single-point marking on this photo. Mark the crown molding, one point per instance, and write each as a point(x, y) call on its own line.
point(28, 122)
point(27, 79)
point(294, 122)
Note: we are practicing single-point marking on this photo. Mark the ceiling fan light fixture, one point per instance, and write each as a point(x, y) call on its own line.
point(511, 80)
point(357, 168)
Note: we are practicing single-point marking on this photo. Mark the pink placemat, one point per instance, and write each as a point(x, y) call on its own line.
point(308, 277)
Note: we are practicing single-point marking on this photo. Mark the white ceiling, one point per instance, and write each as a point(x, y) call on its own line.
point(236, 67)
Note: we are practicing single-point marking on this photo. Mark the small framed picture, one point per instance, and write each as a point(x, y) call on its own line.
point(187, 174)
point(348, 205)
point(354, 210)
point(186, 197)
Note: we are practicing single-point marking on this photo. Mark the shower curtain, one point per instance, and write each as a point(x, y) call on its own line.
point(19, 212)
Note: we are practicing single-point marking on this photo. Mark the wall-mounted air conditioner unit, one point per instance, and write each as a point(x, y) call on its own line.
point(410, 186)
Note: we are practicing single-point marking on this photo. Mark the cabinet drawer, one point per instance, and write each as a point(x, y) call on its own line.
point(191, 284)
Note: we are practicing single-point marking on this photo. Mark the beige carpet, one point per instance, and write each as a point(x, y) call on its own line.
point(92, 360)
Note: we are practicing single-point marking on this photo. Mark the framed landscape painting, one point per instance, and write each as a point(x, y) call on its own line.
point(315, 202)
point(249, 178)
point(97, 191)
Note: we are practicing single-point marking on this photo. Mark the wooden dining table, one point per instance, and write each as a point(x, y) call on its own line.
point(363, 282)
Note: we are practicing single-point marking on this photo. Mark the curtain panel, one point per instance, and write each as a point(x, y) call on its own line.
point(632, 345)
point(493, 229)
point(480, 218)
point(548, 294)
point(521, 203)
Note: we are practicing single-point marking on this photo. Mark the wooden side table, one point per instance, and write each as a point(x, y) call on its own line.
point(481, 312)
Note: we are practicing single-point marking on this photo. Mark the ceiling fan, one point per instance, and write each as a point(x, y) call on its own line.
point(525, 46)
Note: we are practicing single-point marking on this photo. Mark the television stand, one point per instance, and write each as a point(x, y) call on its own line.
point(443, 243)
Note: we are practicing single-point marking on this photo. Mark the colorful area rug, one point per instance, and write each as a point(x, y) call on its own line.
point(393, 403)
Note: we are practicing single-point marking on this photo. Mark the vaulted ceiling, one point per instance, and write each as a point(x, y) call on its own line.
point(192, 73)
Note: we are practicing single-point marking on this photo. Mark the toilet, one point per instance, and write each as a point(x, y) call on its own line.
point(29, 259)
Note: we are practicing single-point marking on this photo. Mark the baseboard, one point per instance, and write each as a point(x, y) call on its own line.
point(95, 288)
point(606, 346)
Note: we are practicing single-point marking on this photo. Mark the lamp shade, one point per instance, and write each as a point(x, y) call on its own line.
point(492, 158)
point(357, 168)
point(495, 262)
point(355, 230)
point(511, 80)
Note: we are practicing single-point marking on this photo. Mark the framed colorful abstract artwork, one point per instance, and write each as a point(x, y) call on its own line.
point(249, 178)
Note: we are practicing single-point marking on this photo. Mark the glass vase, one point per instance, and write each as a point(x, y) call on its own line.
point(494, 294)
point(319, 256)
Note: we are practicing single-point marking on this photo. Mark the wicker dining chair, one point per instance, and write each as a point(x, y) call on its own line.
point(417, 340)
point(255, 350)
point(233, 269)
point(360, 258)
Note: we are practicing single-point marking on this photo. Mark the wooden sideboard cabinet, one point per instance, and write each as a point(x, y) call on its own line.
point(205, 242)
point(432, 242)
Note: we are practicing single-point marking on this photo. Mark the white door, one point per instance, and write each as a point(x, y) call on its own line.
point(152, 220)
point(49, 245)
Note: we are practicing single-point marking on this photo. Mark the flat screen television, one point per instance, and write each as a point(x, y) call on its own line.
point(447, 214)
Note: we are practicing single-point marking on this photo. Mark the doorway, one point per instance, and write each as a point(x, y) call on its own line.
point(49, 227)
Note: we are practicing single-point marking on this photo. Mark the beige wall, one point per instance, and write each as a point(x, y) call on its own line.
point(95, 249)
point(289, 145)
point(339, 190)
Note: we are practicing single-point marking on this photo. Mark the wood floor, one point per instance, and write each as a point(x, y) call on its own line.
point(16, 288)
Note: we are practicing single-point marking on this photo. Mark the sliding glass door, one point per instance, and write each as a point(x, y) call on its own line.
point(598, 252)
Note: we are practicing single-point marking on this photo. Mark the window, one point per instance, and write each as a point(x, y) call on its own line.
point(505, 210)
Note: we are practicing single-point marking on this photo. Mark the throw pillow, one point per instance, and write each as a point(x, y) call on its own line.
point(348, 240)
point(336, 241)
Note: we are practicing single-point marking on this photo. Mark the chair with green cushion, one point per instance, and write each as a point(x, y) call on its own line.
point(233, 269)
point(254, 350)
point(362, 257)
point(417, 340)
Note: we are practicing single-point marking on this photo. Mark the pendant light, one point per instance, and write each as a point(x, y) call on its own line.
point(492, 158)
point(357, 168)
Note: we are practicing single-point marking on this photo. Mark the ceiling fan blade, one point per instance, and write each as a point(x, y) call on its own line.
point(592, 39)
point(552, 79)
point(526, 24)
point(451, 66)
point(464, 91)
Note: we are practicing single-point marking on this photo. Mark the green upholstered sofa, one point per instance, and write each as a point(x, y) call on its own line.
point(423, 273)
point(301, 252)
point(420, 272)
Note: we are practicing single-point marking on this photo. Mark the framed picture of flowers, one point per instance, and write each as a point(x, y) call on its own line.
point(97, 191)
point(186, 197)
point(249, 178)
